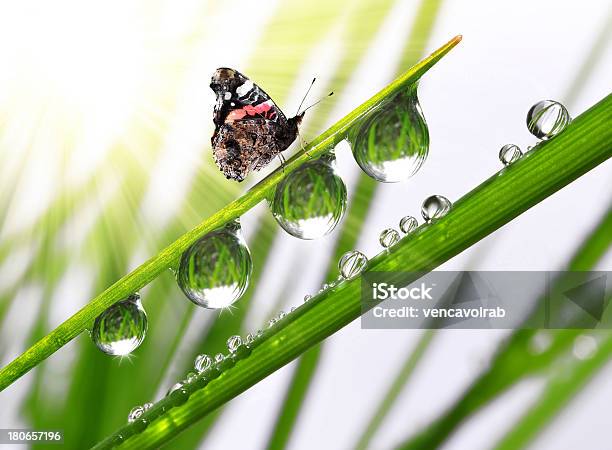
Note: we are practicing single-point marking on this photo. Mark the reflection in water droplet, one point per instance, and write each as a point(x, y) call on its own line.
point(408, 224)
point(311, 200)
point(388, 237)
point(202, 362)
point(585, 346)
point(510, 153)
point(215, 271)
point(219, 357)
point(135, 413)
point(351, 264)
point(249, 339)
point(547, 118)
point(233, 343)
point(435, 207)
point(121, 328)
point(391, 143)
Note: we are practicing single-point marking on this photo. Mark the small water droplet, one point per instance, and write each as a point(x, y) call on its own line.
point(509, 153)
point(121, 328)
point(202, 363)
point(307, 297)
point(233, 343)
point(408, 224)
point(249, 339)
point(351, 264)
point(435, 207)
point(215, 271)
point(147, 406)
point(281, 315)
point(311, 200)
point(585, 346)
point(174, 387)
point(272, 322)
point(540, 342)
point(219, 357)
point(391, 143)
point(547, 118)
point(388, 237)
point(293, 308)
point(135, 413)
point(190, 378)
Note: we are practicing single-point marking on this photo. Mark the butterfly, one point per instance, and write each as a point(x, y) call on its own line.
point(250, 129)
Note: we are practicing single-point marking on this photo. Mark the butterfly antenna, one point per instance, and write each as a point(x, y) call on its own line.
point(318, 101)
point(305, 95)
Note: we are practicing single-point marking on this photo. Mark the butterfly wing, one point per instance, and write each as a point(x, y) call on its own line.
point(244, 145)
point(238, 98)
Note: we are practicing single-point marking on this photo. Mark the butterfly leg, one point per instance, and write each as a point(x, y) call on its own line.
point(282, 160)
point(303, 144)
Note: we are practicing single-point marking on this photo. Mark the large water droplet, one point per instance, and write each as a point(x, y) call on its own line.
point(311, 200)
point(351, 264)
point(135, 413)
point(121, 328)
point(391, 143)
point(509, 153)
point(388, 237)
point(547, 118)
point(435, 207)
point(215, 271)
point(408, 224)
point(202, 362)
point(233, 343)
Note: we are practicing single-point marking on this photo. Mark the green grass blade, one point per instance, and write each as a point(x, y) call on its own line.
point(560, 389)
point(550, 166)
point(513, 361)
point(395, 389)
point(149, 270)
point(351, 229)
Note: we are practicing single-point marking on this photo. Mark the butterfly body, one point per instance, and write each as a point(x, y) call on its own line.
point(250, 130)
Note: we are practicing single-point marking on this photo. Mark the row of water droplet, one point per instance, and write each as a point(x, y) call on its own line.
point(390, 144)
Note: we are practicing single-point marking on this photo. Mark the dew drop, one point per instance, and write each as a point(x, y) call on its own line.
point(249, 339)
point(307, 297)
point(585, 346)
point(147, 406)
point(202, 362)
point(408, 224)
point(540, 342)
point(281, 315)
point(215, 271)
point(311, 200)
point(510, 153)
point(351, 264)
point(435, 207)
point(175, 387)
point(190, 378)
point(391, 143)
point(219, 357)
point(233, 343)
point(121, 328)
point(135, 413)
point(388, 237)
point(547, 118)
